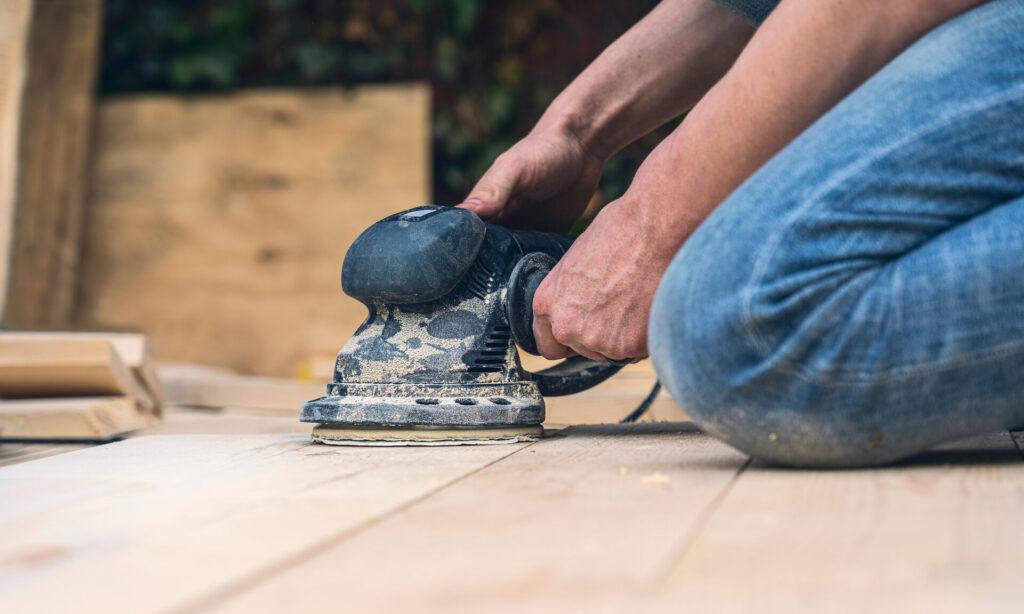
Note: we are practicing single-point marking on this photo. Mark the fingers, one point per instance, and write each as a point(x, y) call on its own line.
point(558, 340)
point(490, 195)
point(547, 345)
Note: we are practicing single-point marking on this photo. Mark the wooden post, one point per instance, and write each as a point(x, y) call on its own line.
point(48, 58)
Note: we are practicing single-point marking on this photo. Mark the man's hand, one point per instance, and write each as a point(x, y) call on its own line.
point(543, 182)
point(596, 302)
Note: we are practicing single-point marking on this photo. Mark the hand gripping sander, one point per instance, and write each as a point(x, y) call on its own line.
point(435, 362)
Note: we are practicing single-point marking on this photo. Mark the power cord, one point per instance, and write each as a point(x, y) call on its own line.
point(644, 405)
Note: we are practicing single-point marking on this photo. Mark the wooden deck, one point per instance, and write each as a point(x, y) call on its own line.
point(236, 511)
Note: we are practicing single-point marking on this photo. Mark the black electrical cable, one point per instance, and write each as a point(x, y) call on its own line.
point(644, 405)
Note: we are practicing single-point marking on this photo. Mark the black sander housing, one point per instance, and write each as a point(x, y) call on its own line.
point(435, 362)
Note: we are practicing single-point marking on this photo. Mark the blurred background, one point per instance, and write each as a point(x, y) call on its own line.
point(194, 170)
point(180, 180)
point(492, 67)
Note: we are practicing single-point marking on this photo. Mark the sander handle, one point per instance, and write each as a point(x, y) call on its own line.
point(572, 375)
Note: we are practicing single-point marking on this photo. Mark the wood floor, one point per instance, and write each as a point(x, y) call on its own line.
point(236, 511)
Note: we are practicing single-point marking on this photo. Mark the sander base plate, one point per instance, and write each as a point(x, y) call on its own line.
point(349, 435)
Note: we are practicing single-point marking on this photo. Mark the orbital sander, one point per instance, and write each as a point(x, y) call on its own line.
point(435, 363)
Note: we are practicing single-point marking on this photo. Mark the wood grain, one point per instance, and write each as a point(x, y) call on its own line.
point(14, 28)
point(199, 386)
point(54, 367)
point(939, 533)
point(71, 419)
point(154, 523)
point(217, 224)
point(54, 137)
point(21, 452)
point(578, 522)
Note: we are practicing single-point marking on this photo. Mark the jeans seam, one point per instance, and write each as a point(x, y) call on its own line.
point(770, 248)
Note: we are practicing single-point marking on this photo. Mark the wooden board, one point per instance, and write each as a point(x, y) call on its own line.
point(199, 386)
point(14, 26)
point(52, 365)
point(940, 533)
point(175, 421)
point(226, 421)
point(64, 419)
point(217, 224)
point(156, 523)
point(133, 349)
point(12, 453)
point(53, 129)
point(578, 522)
point(611, 518)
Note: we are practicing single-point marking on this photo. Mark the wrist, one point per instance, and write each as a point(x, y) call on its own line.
point(581, 124)
point(662, 237)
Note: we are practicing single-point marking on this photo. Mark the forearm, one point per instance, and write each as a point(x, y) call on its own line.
point(658, 69)
point(805, 58)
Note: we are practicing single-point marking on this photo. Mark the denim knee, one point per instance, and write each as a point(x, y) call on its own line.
point(750, 396)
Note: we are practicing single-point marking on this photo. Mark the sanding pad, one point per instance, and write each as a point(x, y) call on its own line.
point(346, 435)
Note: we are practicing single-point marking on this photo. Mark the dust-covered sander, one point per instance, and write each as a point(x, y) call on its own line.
point(435, 362)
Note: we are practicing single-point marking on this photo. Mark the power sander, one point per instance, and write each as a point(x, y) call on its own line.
point(435, 362)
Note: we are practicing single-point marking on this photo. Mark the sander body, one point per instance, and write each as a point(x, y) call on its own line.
point(435, 362)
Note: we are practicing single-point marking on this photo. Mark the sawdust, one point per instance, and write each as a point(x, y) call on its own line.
point(656, 478)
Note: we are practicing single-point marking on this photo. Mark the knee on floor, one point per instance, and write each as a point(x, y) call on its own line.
point(739, 392)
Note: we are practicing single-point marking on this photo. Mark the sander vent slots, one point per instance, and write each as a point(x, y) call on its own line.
point(479, 279)
point(491, 359)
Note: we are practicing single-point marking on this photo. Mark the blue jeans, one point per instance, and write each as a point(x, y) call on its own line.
point(861, 297)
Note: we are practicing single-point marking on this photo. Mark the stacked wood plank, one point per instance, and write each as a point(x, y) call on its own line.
point(75, 386)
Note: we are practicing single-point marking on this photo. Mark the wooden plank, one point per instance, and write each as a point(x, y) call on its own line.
point(54, 130)
point(13, 453)
point(940, 533)
point(152, 523)
point(64, 419)
point(48, 366)
point(579, 522)
point(133, 349)
point(217, 224)
point(223, 421)
point(14, 26)
point(208, 387)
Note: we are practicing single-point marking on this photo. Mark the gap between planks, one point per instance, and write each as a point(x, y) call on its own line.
point(937, 533)
point(152, 523)
point(587, 520)
point(258, 576)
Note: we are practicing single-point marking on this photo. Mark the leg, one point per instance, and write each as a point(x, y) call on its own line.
point(861, 297)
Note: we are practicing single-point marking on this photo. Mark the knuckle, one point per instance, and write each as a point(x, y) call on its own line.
point(595, 343)
point(562, 330)
point(541, 303)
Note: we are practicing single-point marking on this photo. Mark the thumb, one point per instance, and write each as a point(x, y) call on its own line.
point(491, 194)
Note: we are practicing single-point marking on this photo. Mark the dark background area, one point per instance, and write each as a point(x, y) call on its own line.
point(494, 66)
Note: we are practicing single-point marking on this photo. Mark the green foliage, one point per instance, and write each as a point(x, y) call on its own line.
point(494, 66)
